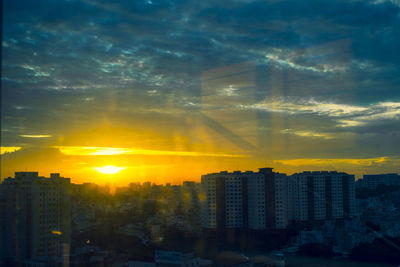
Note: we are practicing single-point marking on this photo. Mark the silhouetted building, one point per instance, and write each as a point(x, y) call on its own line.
point(189, 185)
point(36, 219)
point(371, 181)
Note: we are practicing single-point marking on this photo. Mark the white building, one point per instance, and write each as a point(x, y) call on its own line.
point(246, 200)
point(321, 196)
point(266, 200)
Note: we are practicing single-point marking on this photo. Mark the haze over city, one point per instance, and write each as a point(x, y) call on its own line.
point(153, 133)
point(163, 91)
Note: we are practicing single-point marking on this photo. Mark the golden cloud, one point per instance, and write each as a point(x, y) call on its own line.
point(9, 149)
point(105, 151)
point(361, 162)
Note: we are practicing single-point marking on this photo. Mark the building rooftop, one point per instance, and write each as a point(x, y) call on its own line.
point(320, 172)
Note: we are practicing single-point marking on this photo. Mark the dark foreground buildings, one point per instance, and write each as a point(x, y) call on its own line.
point(34, 220)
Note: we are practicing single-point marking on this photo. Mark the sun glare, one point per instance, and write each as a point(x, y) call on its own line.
point(109, 169)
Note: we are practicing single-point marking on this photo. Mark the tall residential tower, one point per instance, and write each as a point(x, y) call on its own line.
point(247, 200)
point(266, 200)
point(316, 196)
point(36, 215)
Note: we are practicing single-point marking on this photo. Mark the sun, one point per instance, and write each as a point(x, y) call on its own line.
point(109, 169)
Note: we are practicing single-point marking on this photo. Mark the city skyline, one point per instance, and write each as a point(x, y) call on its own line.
point(182, 180)
point(59, 223)
point(105, 91)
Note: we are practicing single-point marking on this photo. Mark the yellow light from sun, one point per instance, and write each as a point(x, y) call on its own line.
point(8, 149)
point(109, 169)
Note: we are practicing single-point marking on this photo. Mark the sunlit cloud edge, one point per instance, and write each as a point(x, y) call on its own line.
point(346, 115)
point(322, 161)
point(35, 135)
point(9, 149)
point(107, 151)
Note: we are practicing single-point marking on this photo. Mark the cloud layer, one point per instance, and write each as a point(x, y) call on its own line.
point(265, 79)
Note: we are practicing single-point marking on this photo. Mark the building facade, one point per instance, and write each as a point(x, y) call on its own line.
point(266, 200)
point(245, 200)
point(316, 196)
point(36, 215)
point(371, 181)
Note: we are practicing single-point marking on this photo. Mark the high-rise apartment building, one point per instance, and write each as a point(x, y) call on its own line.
point(36, 214)
point(248, 200)
point(267, 200)
point(371, 181)
point(315, 196)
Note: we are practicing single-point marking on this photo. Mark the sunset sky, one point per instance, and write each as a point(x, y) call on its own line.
point(164, 91)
